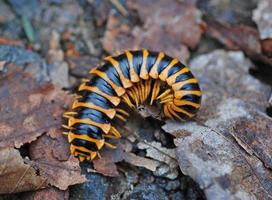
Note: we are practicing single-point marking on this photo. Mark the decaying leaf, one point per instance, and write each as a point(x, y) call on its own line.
point(31, 109)
point(48, 193)
point(16, 175)
point(227, 149)
point(242, 37)
point(157, 32)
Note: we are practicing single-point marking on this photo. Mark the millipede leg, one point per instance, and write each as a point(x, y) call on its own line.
point(119, 110)
point(155, 91)
point(110, 145)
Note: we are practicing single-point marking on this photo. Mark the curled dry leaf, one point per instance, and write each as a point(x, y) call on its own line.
point(30, 109)
point(157, 32)
point(227, 150)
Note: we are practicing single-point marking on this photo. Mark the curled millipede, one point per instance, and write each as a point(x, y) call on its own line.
point(132, 79)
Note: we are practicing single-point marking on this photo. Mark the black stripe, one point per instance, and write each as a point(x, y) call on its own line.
point(111, 72)
point(91, 131)
point(94, 115)
point(84, 143)
point(189, 108)
point(137, 60)
point(124, 64)
point(151, 59)
point(175, 68)
point(164, 63)
point(190, 86)
point(102, 85)
point(184, 77)
point(83, 152)
point(192, 98)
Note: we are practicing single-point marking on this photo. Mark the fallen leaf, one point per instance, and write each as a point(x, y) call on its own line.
point(31, 109)
point(157, 32)
point(226, 148)
point(48, 193)
point(16, 175)
point(240, 37)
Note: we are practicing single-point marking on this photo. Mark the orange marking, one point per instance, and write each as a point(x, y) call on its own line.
point(155, 91)
point(119, 90)
point(172, 79)
point(126, 99)
point(115, 132)
point(133, 75)
point(166, 111)
point(81, 148)
point(180, 84)
point(109, 112)
point(154, 70)
point(174, 113)
point(113, 99)
point(164, 74)
point(125, 82)
point(162, 95)
point(180, 110)
point(181, 93)
point(179, 102)
point(143, 73)
point(104, 127)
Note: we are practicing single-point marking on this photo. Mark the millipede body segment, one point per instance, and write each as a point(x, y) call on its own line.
point(132, 78)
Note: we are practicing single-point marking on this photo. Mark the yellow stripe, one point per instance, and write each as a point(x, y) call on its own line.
point(99, 143)
point(172, 79)
point(133, 75)
point(164, 74)
point(180, 110)
point(180, 84)
point(154, 70)
point(143, 73)
point(125, 82)
point(179, 102)
point(119, 90)
point(109, 112)
point(104, 127)
point(181, 93)
point(113, 99)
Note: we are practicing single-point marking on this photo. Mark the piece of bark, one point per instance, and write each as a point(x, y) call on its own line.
point(226, 148)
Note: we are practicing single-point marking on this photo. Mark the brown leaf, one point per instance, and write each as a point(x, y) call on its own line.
point(227, 149)
point(49, 193)
point(16, 175)
point(240, 37)
point(157, 32)
point(31, 109)
point(51, 156)
point(28, 108)
point(107, 164)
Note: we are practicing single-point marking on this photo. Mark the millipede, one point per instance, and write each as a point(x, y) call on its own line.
point(129, 79)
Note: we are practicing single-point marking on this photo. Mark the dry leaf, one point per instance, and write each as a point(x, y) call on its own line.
point(157, 32)
point(16, 175)
point(31, 109)
point(227, 150)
